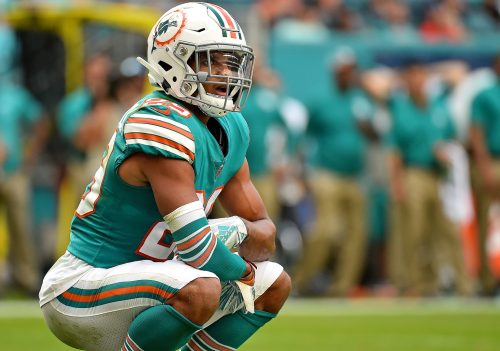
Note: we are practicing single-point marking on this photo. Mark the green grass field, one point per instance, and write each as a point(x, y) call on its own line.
point(372, 325)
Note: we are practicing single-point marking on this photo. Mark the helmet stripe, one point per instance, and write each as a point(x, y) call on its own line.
point(239, 30)
point(219, 18)
point(229, 20)
point(225, 21)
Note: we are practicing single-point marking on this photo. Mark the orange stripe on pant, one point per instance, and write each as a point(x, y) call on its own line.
point(116, 292)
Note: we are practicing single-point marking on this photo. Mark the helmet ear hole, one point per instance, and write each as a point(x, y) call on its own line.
point(174, 78)
point(166, 67)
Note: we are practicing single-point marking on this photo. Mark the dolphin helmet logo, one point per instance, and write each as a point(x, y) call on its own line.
point(168, 28)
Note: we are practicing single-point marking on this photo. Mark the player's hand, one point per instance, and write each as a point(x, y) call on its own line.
point(231, 231)
point(249, 277)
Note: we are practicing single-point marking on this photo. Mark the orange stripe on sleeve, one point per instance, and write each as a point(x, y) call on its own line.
point(207, 253)
point(193, 345)
point(193, 240)
point(160, 140)
point(161, 124)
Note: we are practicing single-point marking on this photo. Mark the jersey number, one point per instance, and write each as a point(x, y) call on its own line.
point(169, 105)
point(93, 193)
point(157, 243)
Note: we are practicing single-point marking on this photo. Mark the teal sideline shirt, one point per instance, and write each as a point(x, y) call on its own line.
point(486, 114)
point(19, 110)
point(71, 111)
point(70, 115)
point(340, 145)
point(416, 130)
point(261, 112)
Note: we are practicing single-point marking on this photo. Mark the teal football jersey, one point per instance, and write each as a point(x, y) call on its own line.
point(116, 222)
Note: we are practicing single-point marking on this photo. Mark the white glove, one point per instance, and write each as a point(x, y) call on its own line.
point(230, 230)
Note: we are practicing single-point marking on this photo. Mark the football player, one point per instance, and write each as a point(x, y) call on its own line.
point(145, 269)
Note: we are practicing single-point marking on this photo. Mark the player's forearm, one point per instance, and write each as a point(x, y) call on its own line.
point(197, 245)
point(260, 243)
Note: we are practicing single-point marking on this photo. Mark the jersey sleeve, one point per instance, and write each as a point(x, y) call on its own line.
point(158, 135)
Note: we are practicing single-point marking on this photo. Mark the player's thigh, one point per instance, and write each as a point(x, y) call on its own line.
point(92, 333)
point(95, 313)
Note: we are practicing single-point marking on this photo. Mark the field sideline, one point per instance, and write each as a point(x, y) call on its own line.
point(322, 324)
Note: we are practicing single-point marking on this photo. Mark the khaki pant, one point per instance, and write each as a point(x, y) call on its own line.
point(267, 187)
point(340, 220)
point(398, 248)
point(483, 201)
point(423, 236)
point(15, 194)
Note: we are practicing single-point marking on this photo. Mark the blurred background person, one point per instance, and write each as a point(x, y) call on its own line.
point(23, 134)
point(274, 121)
point(418, 164)
point(444, 22)
point(379, 84)
point(126, 85)
point(485, 144)
point(392, 18)
point(84, 122)
point(338, 161)
point(265, 154)
point(277, 123)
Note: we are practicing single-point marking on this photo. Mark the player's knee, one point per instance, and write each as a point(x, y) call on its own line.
point(283, 285)
point(207, 292)
point(198, 300)
point(275, 296)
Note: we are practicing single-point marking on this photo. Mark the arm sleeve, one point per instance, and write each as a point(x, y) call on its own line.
point(199, 247)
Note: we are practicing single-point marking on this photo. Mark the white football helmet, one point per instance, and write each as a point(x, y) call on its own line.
point(197, 44)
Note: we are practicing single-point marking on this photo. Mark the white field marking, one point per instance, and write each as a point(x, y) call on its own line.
point(10, 309)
